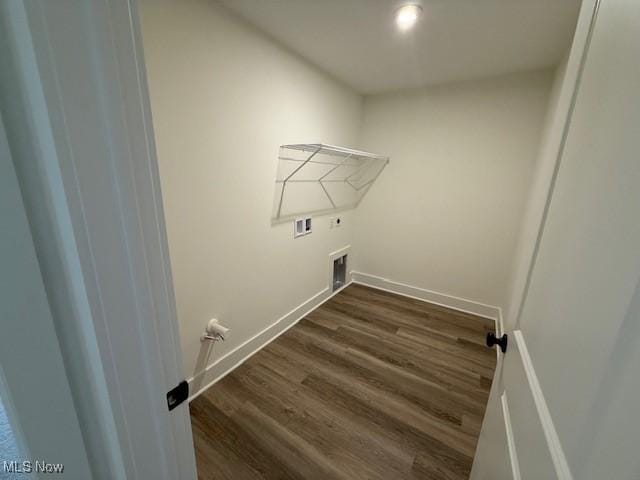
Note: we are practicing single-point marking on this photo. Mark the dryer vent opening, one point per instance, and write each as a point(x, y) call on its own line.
point(339, 272)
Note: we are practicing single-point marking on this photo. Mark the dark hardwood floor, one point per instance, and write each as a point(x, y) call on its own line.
point(370, 385)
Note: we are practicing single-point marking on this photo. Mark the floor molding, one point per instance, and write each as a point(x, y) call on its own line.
point(461, 304)
point(553, 440)
point(231, 360)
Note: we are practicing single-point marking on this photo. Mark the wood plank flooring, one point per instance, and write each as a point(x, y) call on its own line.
point(370, 385)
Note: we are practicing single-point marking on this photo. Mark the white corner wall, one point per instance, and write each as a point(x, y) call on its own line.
point(541, 182)
point(224, 98)
point(445, 214)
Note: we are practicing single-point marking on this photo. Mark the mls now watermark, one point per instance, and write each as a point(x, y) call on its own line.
point(27, 466)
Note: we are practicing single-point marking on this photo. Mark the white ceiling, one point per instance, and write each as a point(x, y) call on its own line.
point(356, 40)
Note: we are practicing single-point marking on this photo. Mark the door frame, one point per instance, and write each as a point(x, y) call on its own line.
point(76, 108)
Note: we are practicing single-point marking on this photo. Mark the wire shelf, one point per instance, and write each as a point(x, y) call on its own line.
point(320, 178)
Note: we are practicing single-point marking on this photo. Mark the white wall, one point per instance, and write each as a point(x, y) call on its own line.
point(224, 98)
point(445, 214)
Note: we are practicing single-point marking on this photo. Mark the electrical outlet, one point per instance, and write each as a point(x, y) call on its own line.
point(301, 226)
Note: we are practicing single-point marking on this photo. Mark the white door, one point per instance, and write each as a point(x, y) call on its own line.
point(75, 107)
point(565, 402)
point(34, 389)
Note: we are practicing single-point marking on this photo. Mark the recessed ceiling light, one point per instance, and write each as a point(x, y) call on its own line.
point(407, 16)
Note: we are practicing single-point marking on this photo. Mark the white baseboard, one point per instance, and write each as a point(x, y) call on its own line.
point(228, 362)
point(456, 303)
